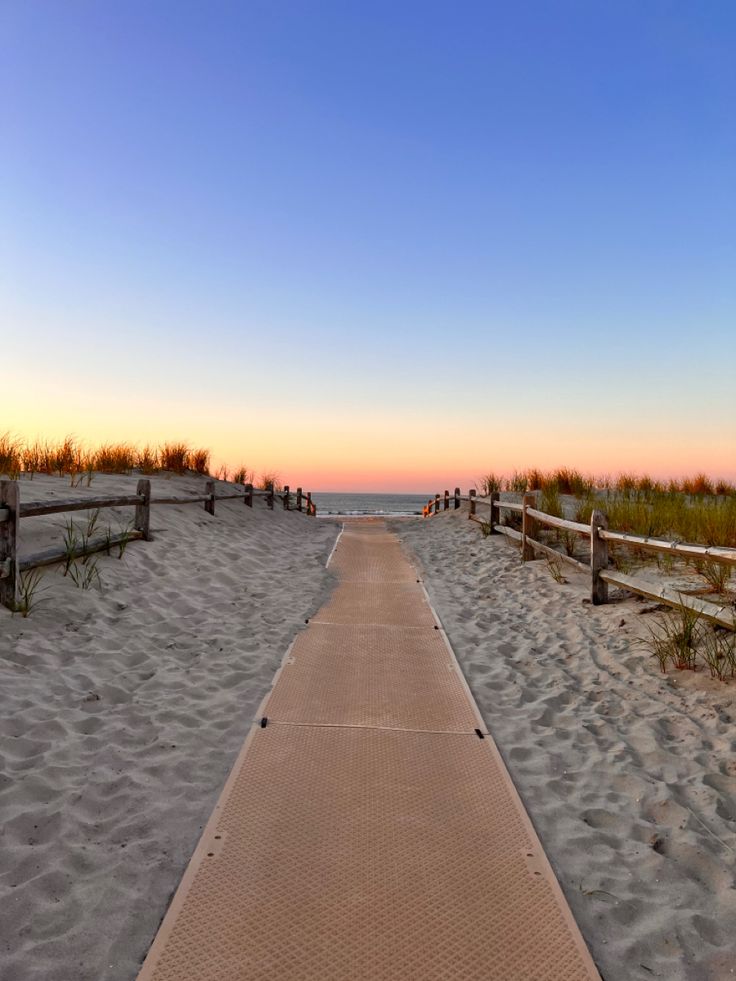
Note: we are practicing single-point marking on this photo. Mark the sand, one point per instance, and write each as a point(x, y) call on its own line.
point(629, 775)
point(122, 711)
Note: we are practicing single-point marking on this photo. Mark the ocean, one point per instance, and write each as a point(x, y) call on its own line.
point(380, 504)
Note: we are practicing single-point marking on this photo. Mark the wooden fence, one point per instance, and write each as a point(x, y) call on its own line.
point(12, 510)
point(599, 535)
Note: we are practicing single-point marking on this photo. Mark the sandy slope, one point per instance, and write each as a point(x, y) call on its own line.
point(629, 776)
point(121, 712)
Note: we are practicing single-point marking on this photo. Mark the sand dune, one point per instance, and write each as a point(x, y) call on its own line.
point(121, 713)
point(629, 775)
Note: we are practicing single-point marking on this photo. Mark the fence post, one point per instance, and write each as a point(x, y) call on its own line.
point(269, 497)
point(209, 504)
point(298, 498)
point(309, 503)
point(528, 526)
point(447, 501)
point(494, 497)
point(10, 499)
point(142, 520)
point(286, 498)
point(471, 502)
point(457, 498)
point(598, 558)
point(248, 498)
point(436, 503)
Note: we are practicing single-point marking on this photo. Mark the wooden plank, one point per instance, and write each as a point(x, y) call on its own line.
point(509, 532)
point(553, 553)
point(555, 522)
point(713, 553)
point(34, 508)
point(598, 558)
point(528, 526)
point(142, 520)
point(51, 556)
point(493, 499)
point(10, 502)
point(724, 615)
point(179, 500)
point(511, 506)
point(209, 501)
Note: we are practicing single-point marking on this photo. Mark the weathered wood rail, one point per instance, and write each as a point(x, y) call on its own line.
point(599, 535)
point(12, 510)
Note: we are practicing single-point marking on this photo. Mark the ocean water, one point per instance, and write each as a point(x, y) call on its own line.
point(359, 504)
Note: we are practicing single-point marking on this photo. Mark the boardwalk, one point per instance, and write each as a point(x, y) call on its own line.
point(369, 829)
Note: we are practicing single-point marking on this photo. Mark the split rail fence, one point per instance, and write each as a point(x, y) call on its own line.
point(599, 536)
point(12, 510)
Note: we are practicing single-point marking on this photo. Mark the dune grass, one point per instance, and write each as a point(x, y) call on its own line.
point(73, 458)
point(270, 481)
point(696, 509)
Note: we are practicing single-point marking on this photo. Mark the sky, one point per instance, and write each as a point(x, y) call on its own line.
point(385, 246)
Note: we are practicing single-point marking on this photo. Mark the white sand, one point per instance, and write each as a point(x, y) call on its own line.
point(121, 713)
point(628, 775)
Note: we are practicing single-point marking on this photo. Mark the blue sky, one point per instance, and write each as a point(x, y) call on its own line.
point(371, 209)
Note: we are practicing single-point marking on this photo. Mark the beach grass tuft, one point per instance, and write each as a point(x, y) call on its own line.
point(29, 585)
point(270, 481)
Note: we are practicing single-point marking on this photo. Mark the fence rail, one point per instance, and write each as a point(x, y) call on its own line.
point(12, 510)
point(599, 536)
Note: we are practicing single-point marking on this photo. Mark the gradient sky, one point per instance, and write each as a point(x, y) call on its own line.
point(374, 246)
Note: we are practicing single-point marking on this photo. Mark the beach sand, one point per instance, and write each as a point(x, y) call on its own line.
point(122, 711)
point(629, 775)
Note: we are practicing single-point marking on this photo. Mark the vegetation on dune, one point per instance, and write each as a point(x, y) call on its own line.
point(681, 639)
point(692, 509)
point(270, 482)
point(74, 459)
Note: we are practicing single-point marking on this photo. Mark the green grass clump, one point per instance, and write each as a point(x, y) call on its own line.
point(675, 639)
point(29, 584)
point(550, 502)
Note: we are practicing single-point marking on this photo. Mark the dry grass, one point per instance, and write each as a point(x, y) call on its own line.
point(174, 457)
point(568, 480)
point(10, 455)
point(489, 483)
point(70, 457)
point(270, 481)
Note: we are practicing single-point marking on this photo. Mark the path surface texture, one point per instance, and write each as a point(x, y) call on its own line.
point(369, 829)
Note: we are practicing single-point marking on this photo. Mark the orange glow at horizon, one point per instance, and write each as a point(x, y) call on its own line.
point(354, 453)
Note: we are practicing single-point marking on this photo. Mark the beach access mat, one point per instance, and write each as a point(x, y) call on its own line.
point(369, 829)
